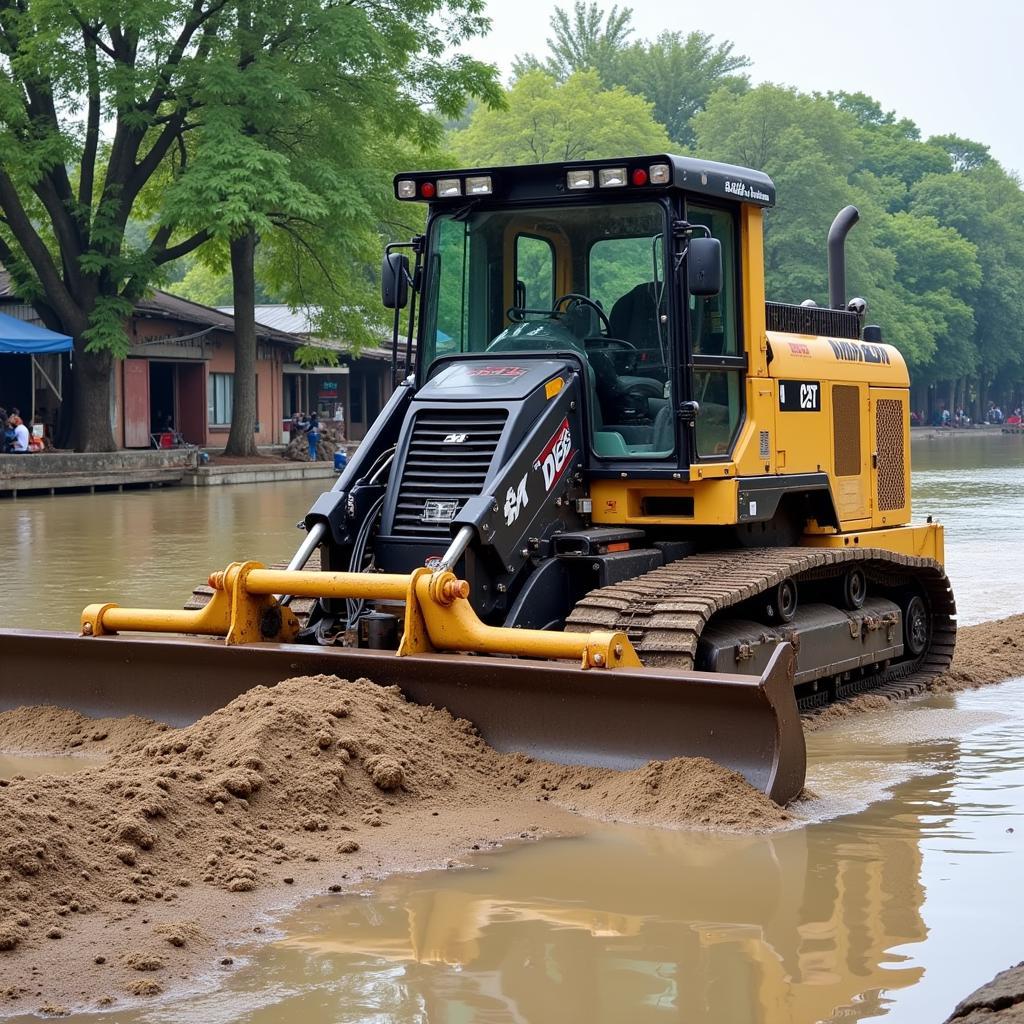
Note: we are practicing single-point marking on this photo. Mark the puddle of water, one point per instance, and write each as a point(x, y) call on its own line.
point(894, 912)
point(31, 765)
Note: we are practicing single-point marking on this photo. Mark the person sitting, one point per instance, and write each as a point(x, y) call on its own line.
point(20, 441)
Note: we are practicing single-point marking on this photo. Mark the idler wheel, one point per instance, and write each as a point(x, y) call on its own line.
point(855, 589)
point(915, 626)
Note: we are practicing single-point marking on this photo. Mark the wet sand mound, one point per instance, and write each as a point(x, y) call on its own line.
point(684, 792)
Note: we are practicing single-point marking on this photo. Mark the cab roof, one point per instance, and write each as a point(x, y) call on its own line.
point(549, 181)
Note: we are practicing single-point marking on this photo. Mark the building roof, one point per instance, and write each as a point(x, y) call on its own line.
point(174, 307)
point(302, 322)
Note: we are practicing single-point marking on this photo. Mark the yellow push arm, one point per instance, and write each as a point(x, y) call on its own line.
point(438, 616)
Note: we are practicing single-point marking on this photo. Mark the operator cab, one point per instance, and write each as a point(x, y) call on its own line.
point(588, 259)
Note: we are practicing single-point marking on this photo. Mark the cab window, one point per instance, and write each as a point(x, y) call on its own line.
point(535, 273)
point(715, 351)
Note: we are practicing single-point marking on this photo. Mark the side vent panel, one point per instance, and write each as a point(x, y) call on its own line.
point(846, 429)
point(892, 493)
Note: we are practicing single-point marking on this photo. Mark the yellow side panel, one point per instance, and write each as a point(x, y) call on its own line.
point(804, 356)
point(890, 447)
point(801, 438)
point(664, 502)
point(922, 539)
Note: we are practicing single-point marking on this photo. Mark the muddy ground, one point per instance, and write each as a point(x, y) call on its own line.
point(134, 878)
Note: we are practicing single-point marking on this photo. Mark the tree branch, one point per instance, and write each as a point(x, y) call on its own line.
point(38, 255)
point(92, 128)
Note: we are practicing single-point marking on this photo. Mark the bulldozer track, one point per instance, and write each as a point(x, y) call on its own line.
point(664, 611)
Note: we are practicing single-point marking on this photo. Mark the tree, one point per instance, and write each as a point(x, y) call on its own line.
point(238, 111)
point(92, 100)
point(589, 40)
point(289, 163)
point(916, 272)
point(678, 74)
point(545, 121)
point(675, 73)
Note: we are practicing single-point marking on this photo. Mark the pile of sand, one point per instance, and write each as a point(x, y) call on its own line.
point(177, 838)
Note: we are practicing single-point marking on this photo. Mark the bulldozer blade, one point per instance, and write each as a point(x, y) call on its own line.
point(619, 718)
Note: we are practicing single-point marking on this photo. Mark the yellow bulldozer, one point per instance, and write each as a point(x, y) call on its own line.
point(618, 507)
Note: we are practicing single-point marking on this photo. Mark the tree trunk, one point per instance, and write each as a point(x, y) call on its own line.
point(92, 381)
point(242, 438)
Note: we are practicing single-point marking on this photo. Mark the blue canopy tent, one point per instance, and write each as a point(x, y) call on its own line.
point(20, 338)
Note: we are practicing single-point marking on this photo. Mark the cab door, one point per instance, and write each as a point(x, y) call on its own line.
point(717, 364)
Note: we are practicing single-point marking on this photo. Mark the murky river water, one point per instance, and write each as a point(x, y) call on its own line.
point(900, 897)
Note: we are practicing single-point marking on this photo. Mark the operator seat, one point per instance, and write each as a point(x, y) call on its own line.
point(635, 318)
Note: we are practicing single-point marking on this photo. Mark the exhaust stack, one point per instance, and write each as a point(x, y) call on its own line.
point(845, 219)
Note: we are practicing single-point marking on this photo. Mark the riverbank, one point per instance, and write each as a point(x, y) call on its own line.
point(137, 880)
point(1000, 1001)
point(76, 472)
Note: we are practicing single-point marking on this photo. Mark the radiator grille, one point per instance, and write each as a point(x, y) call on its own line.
point(816, 320)
point(445, 475)
point(892, 492)
point(846, 429)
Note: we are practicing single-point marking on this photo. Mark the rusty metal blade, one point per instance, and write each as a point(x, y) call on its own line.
point(618, 719)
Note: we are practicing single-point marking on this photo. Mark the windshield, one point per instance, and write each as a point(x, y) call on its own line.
point(589, 279)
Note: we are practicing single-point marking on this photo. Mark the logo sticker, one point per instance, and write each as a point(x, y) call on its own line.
point(436, 511)
point(859, 352)
point(798, 348)
point(455, 439)
point(556, 455)
point(432, 562)
point(799, 396)
point(515, 501)
point(496, 371)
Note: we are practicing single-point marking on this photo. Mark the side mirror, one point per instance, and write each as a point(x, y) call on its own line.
point(704, 266)
point(394, 281)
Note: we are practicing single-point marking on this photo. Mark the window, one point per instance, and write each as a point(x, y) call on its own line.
point(713, 317)
point(535, 273)
point(218, 404)
point(715, 352)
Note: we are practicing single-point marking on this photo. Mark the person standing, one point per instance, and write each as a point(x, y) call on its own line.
point(313, 435)
point(339, 420)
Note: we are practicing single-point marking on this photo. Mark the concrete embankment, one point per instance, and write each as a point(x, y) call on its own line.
point(55, 472)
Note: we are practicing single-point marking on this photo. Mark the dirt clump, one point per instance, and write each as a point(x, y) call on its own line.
point(999, 1001)
point(330, 442)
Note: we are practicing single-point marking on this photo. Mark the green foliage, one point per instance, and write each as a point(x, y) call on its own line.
point(548, 121)
point(674, 72)
point(941, 238)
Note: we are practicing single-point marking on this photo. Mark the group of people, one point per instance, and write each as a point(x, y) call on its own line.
point(16, 436)
point(959, 418)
